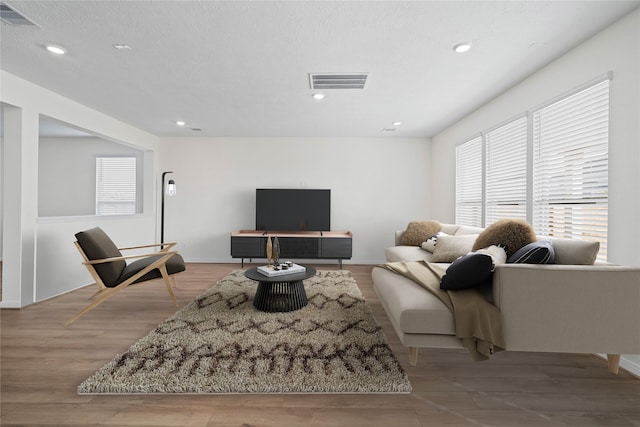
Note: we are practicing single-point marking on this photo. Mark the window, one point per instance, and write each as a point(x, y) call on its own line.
point(570, 179)
point(506, 171)
point(549, 167)
point(115, 185)
point(469, 183)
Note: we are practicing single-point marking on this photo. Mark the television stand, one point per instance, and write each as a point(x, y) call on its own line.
point(293, 244)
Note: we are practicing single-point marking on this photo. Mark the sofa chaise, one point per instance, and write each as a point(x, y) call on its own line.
point(574, 305)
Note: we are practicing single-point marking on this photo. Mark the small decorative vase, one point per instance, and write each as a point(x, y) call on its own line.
point(269, 250)
point(276, 250)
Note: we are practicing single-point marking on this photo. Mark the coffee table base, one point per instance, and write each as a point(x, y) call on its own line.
point(280, 296)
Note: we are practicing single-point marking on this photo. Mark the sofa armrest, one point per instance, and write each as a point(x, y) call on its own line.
point(569, 308)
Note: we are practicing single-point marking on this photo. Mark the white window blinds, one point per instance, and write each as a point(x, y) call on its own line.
point(469, 183)
point(115, 185)
point(570, 166)
point(506, 172)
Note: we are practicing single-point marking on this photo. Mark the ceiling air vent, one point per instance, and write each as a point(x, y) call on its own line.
point(338, 81)
point(11, 16)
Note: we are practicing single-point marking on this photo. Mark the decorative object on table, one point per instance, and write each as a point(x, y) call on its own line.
point(220, 344)
point(281, 269)
point(269, 251)
point(276, 251)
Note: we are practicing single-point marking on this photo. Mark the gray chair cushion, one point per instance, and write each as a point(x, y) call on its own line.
point(97, 245)
point(175, 264)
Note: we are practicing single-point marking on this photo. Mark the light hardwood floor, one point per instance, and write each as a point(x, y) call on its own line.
point(42, 363)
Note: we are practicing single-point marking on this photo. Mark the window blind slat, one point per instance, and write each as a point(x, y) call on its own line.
point(469, 183)
point(506, 171)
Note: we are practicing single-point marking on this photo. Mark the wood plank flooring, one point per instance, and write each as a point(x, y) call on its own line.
point(42, 363)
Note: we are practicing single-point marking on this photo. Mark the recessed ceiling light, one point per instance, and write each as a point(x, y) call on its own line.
point(58, 50)
point(462, 47)
point(122, 46)
point(180, 123)
point(318, 95)
point(396, 123)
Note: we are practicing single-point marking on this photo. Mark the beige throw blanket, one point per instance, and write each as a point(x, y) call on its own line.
point(478, 322)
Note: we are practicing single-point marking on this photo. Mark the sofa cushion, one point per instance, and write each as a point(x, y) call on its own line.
point(575, 251)
point(512, 234)
point(467, 229)
point(419, 231)
point(407, 253)
point(449, 248)
point(468, 271)
point(411, 308)
point(539, 252)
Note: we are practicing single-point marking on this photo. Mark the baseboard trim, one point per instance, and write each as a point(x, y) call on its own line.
point(10, 304)
point(630, 366)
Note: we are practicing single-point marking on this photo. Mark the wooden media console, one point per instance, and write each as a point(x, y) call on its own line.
point(293, 244)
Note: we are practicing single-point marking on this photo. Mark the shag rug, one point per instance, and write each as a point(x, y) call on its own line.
point(219, 343)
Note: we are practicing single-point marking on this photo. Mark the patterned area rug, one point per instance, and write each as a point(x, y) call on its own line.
point(220, 343)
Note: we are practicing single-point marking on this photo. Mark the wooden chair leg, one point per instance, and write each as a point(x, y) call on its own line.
point(167, 281)
point(413, 356)
point(613, 362)
point(106, 293)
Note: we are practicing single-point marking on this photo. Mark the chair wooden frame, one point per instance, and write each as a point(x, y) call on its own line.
point(106, 292)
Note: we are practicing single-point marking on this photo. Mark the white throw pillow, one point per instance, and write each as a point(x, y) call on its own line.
point(497, 253)
point(429, 245)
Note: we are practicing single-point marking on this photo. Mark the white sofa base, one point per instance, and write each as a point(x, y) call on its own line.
point(546, 308)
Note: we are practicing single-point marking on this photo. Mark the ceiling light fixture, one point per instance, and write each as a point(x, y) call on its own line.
point(180, 123)
point(58, 50)
point(396, 123)
point(122, 46)
point(318, 96)
point(462, 47)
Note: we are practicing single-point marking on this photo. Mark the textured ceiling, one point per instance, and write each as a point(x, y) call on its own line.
point(241, 68)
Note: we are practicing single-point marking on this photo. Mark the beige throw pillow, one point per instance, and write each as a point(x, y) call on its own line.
point(419, 231)
point(449, 248)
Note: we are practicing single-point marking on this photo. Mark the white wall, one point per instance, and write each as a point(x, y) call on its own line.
point(616, 49)
point(67, 174)
point(377, 186)
point(59, 266)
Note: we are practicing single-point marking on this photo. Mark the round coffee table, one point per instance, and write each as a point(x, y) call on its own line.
point(280, 293)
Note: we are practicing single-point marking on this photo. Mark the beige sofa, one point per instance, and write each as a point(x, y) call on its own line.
point(559, 307)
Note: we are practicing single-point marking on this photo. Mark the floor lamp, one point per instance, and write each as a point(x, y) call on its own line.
point(169, 190)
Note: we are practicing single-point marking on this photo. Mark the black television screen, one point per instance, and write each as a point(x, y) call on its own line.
point(293, 210)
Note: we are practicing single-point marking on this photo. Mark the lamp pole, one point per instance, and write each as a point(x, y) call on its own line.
point(162, 207)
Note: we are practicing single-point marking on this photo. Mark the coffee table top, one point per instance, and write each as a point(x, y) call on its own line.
point(253, 274)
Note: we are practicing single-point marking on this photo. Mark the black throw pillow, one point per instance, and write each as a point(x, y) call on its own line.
point(539, 252)
point(467, 272)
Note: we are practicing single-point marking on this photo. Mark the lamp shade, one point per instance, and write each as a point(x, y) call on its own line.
point(171, 188)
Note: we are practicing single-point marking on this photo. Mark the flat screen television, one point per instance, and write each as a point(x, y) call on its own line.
point(293, 209)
